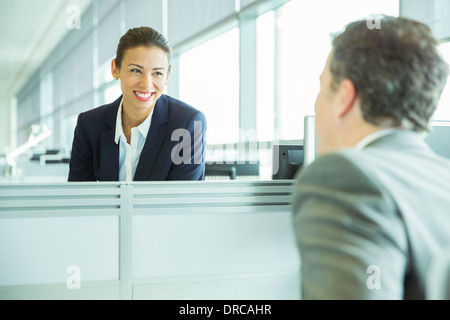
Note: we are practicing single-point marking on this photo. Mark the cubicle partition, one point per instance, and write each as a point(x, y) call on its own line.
point(149, 240)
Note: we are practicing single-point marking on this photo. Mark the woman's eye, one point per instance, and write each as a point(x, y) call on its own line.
point(158, 74)
point(136, 71)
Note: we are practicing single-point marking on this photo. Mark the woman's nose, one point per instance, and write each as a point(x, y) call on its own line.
point(147, 81)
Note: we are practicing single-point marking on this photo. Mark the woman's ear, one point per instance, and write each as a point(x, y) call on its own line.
point(114, 69)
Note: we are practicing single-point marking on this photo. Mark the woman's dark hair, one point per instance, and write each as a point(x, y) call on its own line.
point(142, 36)
point(397, 70)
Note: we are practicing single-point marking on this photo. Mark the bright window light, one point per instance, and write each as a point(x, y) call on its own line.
point(265, 77)
point(304, 44)
point(443, 109)
point(209, 81)
point(112, 93)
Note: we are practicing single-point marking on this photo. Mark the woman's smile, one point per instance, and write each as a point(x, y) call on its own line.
point(143, 96)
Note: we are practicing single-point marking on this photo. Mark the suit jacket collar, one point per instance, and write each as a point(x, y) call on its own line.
point(111, 113)
point(109, 150)
point(109, 168)
point(155, 138)
point(401, 139)
point(373, 137)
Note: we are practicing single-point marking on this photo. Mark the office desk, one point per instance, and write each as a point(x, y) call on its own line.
point(150, 240)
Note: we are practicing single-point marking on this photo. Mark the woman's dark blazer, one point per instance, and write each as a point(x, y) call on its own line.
point(174, 149)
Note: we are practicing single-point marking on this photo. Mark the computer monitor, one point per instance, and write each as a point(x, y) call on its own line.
point(286, 161)
point(439, 137)
point(309, 140)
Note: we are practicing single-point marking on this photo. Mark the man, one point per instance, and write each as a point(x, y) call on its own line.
point(373, 209)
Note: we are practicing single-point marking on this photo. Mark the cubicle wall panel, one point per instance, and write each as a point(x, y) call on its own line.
point(142, 189)
point(149, 240)
point(98, 189)
point(237, 287)
point(188, 243)
point(212, 228)
point(230, 200)
point(51, 250)
point(60, 199)
point(60, 241)
point(227, 240)
point(104, 290)
point(229, 194)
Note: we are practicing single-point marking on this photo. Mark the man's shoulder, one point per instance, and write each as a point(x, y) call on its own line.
point(336, 161)
point(340, 168)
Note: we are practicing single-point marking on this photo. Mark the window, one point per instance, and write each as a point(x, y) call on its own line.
point(443, 109)
point(265, 76)
point(112, 93)
point(304, 29)
point(108, 87)
point(209, 81)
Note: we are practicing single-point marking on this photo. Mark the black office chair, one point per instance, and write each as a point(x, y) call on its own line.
point(232, 170)
point(224, 170)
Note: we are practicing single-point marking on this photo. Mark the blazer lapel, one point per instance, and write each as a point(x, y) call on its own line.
point(109, 150)
point(155, 138)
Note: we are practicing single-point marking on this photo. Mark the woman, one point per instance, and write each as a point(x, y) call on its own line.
point(144, 135)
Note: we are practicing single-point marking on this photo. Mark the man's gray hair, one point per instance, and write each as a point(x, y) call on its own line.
point(397, 69)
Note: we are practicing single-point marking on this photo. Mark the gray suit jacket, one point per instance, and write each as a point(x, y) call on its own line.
point(368, 222)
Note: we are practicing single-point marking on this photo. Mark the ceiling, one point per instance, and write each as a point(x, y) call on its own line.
point(29, 31)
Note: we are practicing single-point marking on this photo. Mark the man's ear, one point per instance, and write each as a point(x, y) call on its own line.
point(347, 97)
